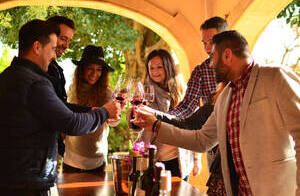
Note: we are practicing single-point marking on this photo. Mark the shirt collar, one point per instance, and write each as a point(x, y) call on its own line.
point(19, 61)
point(245, 76)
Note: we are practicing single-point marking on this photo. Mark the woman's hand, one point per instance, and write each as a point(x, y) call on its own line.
point(144, 117)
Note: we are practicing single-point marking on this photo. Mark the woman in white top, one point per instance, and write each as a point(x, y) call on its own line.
point(90, 88)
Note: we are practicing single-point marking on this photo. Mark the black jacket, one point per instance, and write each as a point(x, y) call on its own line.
point(193, 122)
point(57, 78)
point(58, 81)
point(30, 111)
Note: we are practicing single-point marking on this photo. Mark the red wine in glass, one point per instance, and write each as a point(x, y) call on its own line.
point(121, 99)
point(137, 102)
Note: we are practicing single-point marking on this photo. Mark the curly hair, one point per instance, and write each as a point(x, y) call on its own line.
point(80, 92)
point(172, 82)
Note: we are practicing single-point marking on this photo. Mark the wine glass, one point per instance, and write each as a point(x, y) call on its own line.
point(137, 93)
point(120, 93)
point(149, 93)
point(137, 98)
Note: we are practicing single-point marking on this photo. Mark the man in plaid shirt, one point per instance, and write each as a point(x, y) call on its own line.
point(202, 82)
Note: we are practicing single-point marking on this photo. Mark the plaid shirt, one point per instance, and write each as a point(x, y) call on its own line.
point(201, 85)
point(233, 128)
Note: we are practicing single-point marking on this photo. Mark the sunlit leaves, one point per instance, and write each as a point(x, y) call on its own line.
point(5, 58)
point(97, 27)
point(291, 13)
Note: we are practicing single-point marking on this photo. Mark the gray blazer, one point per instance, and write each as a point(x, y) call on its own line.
point(269, 123)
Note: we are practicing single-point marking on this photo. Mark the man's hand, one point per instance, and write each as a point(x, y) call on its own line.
point(114, 109)
point(143, 117)
point(147, 109)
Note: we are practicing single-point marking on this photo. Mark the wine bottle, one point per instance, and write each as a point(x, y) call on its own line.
point(148, 175)
point(159, 166)
point(133, 176)
point(140, 167)
point(165, 183)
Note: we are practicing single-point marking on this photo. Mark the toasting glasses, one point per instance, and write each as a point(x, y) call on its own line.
point(120, 93)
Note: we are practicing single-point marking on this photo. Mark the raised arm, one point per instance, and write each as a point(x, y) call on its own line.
point(192, 96)
point(197, 140)
point(46, 106)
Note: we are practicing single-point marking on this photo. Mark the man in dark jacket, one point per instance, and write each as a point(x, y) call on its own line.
point(31, 110)
point(57, 77)
point(67, 28)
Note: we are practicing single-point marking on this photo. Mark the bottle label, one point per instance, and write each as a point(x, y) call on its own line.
point(165, 180)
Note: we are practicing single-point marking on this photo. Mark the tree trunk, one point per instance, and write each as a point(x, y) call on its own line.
point(135, 60)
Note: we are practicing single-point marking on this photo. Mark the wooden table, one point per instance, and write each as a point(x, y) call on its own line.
point(101, 184)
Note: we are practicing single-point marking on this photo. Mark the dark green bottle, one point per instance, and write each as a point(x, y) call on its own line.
point(159, 166)
point(140, 167)
point(133, 177)
point(148, 175)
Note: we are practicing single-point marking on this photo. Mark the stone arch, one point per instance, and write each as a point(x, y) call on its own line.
point(177, 21)
point(132, 9)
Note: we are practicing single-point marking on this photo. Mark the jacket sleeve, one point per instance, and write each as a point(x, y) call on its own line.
point(196, 121)
point(55, 115)
point(77, 107)
point(199, 140)
point(287, 98)
point(192, 96)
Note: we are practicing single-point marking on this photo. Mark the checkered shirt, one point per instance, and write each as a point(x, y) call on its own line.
point(201, 85)
point(233, 128)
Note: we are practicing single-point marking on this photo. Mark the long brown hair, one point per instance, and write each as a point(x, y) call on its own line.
point(81, 92)
point(171, 82)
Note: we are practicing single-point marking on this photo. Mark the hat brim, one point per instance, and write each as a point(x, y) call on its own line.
point(99, 62)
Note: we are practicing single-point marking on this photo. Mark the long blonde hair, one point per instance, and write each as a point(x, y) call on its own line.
point(172, 83)
point(80, 92)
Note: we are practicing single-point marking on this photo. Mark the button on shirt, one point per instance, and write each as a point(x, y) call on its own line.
point(202, 84)
point(233, 129)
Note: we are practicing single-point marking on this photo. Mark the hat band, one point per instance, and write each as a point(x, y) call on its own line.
point(92, 58)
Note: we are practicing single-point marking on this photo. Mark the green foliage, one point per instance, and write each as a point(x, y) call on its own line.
point(97, 27)
point(117, 61)
point(113, 32)
point(5, 59)
point(291, 13)
point(120, 136)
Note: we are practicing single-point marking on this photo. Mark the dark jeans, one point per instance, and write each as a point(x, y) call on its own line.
point(24, 192)
point(70, 169)
point(173, 166)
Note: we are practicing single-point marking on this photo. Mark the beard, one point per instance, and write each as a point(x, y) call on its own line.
point(221, 71)
point(220, 77)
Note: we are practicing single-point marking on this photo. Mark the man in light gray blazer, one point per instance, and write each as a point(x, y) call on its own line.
point(256, 122)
